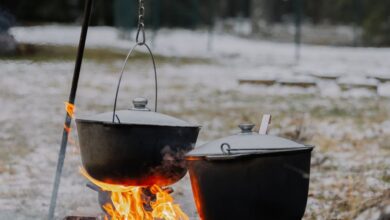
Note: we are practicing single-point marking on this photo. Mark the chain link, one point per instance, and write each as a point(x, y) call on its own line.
point(141, 24)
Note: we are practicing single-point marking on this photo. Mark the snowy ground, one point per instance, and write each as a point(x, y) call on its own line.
point(351, 129)
point(247, 58)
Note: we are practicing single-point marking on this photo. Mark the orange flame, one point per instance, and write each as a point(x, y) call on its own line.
point(130, 202)
point(70, 109)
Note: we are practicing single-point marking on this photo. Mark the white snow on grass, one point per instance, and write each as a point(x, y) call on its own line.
point(384, 90)
point(32, 111)
point(246, 57)
point(180, 42)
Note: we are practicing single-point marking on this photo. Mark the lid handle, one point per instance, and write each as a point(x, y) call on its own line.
point(246, 128)
point(140, 104)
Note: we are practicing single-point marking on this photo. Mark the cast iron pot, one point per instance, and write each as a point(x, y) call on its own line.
point(136, 147)
point(250, 176)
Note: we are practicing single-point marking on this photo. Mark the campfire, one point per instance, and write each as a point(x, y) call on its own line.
point(138, 202)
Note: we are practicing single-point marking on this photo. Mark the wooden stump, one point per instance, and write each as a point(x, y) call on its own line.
point(267, 82)
point(303, 84)
point(325, 76)
point(346, 86)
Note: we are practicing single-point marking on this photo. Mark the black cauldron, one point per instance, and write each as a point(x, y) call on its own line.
point(250, 176)
point(138, 148)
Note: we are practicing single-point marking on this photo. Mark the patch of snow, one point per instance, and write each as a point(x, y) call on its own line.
point(297, 79)
point(329, 89)
point(385, 126)
point(384, 90)
point(358, 93)
point(353, 80)
point(370, 214)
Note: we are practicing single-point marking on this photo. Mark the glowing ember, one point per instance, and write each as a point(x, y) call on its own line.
point(138, 203)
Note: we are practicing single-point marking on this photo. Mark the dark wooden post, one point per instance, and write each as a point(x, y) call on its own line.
point(72, 99)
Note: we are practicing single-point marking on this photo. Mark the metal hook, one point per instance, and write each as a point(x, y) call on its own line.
point(141, 30)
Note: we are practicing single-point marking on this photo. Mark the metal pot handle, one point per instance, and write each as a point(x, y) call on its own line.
point(228, 150)
point(122, 71)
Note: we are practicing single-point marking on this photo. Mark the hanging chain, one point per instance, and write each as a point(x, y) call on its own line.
point(141, 24)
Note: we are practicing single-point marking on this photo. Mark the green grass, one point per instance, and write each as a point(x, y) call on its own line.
point(386, 178)
point(12, 149)
point(43, 53)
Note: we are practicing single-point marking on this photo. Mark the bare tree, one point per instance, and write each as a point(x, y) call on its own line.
point(262, 13)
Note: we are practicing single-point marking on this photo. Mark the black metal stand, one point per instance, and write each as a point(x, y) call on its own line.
point(72, 97)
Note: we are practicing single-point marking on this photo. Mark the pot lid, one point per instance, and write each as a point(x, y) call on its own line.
point(246, 142)
point(138, 115)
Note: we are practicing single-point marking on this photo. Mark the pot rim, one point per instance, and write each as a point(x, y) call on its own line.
point(221, 157)
point(132, 124)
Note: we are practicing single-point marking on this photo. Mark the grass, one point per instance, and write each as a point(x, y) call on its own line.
point(11, 150)
point(386, 178)
point(43, 53)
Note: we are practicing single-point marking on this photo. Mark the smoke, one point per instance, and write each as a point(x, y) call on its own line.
point(174, 157)
point(173, 164)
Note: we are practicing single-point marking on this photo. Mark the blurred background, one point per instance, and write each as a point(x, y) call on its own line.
point(367, 21)
point(320, 67)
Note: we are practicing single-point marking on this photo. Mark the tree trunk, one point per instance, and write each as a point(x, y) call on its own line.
point(262, 13)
